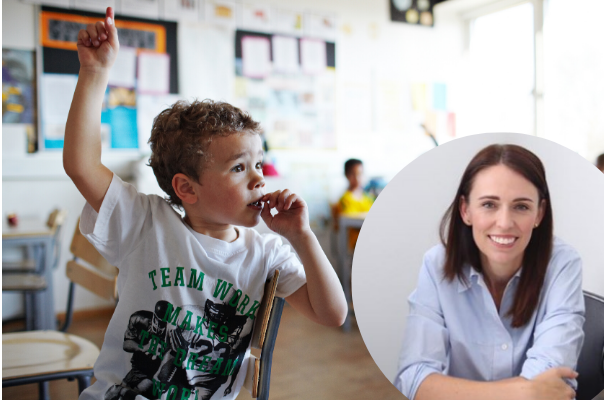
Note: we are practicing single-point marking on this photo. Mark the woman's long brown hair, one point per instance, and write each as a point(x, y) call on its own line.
point(457, 238)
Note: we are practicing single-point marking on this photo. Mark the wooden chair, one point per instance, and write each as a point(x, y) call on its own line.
point(42, 356)
point(266, 327)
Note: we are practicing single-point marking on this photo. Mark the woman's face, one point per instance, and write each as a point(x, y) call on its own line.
point(503, 208)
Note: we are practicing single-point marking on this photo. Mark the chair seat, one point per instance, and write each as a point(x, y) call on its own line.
point(43, 353)
point(23, 282)
point(27, 265)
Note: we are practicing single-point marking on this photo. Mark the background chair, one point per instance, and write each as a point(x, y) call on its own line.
point(42, 356)
point(591, 360)
point(266, 327)
point(29, 275)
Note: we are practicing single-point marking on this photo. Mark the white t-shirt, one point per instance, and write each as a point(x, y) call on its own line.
point(187, 302)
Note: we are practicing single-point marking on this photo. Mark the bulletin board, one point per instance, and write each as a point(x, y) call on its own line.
point(295, 106)
point(60, 65)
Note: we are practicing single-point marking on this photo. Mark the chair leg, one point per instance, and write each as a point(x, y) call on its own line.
point(83, 382)
point(29, 311)
point(43, 391)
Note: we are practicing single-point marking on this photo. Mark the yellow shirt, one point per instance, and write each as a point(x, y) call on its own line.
point(349, 203)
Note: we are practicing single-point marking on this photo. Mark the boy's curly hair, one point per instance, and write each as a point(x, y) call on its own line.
point(182, 133)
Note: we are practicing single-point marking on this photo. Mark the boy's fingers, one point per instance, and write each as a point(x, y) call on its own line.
point(282, 199)
point(91, 29)
point(266, 215)
point(291, 200)
point(101, 31)
point(83, 38)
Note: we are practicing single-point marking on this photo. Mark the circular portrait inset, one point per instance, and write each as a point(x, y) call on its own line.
point(475, 266)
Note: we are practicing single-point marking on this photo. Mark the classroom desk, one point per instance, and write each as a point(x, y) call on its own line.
point(346, 221)
point(36, 235)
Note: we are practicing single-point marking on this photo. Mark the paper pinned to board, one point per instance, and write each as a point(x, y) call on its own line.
point(256, 56)
point(140, 8)
point(313, 56)
point(57, 93)
point(181, 10)
point(285, 54)
point(123, 72)
point(153, 73)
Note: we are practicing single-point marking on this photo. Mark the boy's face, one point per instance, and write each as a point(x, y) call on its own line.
point(355, 176)
point(231, 183)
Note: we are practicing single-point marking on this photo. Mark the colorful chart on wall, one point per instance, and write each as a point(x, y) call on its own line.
point(145, 46)
point(289, 87)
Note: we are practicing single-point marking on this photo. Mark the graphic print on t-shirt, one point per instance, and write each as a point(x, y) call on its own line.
point(187, 351)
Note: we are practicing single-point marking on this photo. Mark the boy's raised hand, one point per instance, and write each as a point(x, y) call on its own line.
point(98, 44)
point(292, 213)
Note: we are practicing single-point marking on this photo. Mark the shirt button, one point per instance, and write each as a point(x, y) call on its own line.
point(504, 346)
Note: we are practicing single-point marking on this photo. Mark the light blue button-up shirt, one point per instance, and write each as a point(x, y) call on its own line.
point(455, 329)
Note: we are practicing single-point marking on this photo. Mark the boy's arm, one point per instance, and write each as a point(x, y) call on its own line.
point(321, 299)
point(97, 49)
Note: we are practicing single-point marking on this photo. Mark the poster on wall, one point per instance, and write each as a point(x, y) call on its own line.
point(18, 86)
point(295, 108)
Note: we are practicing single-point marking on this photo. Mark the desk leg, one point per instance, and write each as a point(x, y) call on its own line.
point(46, 298)
point(345, 267)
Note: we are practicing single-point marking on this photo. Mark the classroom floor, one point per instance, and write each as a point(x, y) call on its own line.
point(309, 362)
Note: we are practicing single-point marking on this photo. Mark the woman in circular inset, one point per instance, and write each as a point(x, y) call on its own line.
point(498, 310)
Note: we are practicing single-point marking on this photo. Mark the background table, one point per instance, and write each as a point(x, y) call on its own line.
point(36, 235)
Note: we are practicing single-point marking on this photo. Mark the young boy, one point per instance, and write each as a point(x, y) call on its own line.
point(354, 200)
point(189, 288)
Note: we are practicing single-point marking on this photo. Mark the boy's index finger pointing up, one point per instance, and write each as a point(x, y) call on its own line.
point(110, 26)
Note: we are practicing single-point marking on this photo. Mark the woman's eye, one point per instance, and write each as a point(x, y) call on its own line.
point(522, 207)
point(488, 205)
point(237, 168)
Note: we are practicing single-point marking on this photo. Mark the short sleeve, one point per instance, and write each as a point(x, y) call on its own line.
point(119, 225)
point(280, 256)
point(426, 340)
point(558, 336)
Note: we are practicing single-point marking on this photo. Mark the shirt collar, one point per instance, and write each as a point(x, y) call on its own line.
point(472, 276)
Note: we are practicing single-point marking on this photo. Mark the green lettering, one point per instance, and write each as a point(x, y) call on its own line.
point(180, 276)
point(165, 276)
point(216, 368)
point(186, 324)
point(153, 344)
point(181, 354)
point(199, 325)
point(171, 317)
point(204, 363)
point(224, 333)
point(158, 388)
point(222, 289)
point(152, 276)
point(251, 313)
point(211, 329)
point(172, 390)
point(185, 394)
point(191, 361)
point(162, 349)
point(227, 371)
point(235, 299)
point(144, 337)
point(245, 302)
point(194, 282)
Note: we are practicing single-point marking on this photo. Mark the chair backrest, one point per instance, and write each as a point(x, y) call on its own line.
point(98, 276)
point(264, 337)
point(591, 360)
point(55, 222)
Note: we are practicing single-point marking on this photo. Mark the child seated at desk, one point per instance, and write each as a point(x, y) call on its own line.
point(189, 287)
point(355, 199)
